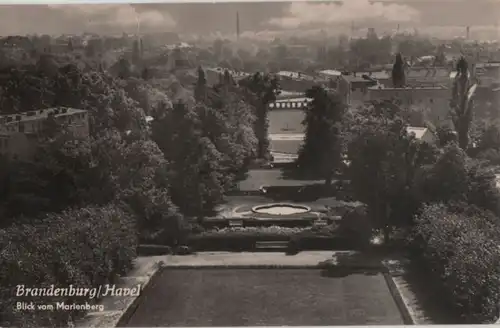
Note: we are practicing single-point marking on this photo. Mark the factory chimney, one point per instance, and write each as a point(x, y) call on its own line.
point(467, 33)
point(237, 25)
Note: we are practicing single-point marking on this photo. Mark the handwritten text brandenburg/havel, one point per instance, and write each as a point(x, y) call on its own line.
point(91, 293)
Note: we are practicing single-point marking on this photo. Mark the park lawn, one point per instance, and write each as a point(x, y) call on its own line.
point(258, 297)
point(270, 177)
point(286, 121)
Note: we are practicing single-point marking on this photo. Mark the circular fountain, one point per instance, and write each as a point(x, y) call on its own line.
point(281, 209)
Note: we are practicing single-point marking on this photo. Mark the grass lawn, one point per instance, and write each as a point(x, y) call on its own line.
point(258, 297)
point(270, 177)
point(286, 121)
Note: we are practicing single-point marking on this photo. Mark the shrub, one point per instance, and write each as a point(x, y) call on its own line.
point(244, 238)
point(183, 250)
point(357, 227)
point(83, 247)
point(460, 248)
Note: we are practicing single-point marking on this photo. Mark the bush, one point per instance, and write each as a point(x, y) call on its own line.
point(84, 247)
point(240, 239)
point(357, 227)
point(460, 248)
point(183, 250)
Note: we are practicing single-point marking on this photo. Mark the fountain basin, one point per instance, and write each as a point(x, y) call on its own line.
point(281, 209)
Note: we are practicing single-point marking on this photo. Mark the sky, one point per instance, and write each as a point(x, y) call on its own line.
point(220, 17)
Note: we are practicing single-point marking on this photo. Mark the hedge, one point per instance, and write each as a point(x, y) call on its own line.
point(244, 239)
point(461, 252)
point(84, 247)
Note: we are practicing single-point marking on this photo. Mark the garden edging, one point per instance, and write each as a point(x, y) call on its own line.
point(398, 298)
point(117, 310)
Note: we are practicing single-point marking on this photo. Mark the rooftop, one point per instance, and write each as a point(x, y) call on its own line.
point(289, 94)
point(487, 65)
point(295, 75)
point(379, 75)
point(433, 72)
point(453, 74)
point(383, 88)
point(331, 72)
point(357, 78)
point(419, 132)
point(231, 72)
point(301, 99)
point(39, 114)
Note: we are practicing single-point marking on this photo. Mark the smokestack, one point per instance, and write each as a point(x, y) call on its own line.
point(467, 32)
point(237, 25)
point(398, 28)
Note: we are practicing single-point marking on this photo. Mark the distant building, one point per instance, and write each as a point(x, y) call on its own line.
point(290, 94)
point(297, 82)
point(428, 76)
point(359, 85)
point(214, 75)
point(19, 132)
point(488, 74)
point(383, 77)
point(423, 134)
point(433, 100)
point(330, 74)
point(290, 103)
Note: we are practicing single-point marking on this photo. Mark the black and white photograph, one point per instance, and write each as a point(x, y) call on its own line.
point(232, 164)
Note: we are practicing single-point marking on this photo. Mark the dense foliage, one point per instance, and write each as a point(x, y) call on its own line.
point(462, 256)
point(86, 247)
point(383, 160)
point(322, 150)
point(134, 179)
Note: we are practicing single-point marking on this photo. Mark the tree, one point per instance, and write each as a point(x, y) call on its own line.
point(322, 149)
point(398, 72)
point(462, 103)
point(200, 91)
point(446, 180)
point(124, 69)
point(489, 139)
point(136, 53)
point(383, 162)
point(197, 180)
point(70, 45)
point(440, 59)
point(457, 179)
point(146, 74)
point(261, 90)
point(445, 135)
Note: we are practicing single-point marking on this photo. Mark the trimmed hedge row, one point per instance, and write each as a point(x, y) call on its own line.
point(84, 247)
point(244, 239)
point(460, 250)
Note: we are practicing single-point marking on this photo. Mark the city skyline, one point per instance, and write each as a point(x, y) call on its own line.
point(205, 18)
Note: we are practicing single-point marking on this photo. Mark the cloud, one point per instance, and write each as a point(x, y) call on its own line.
point(117, 15)
point(303, 13)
